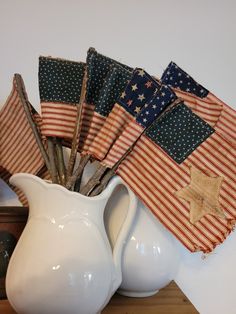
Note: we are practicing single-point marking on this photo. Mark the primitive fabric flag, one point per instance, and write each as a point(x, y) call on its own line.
point(160, 101)
point(184, 168)
point(60, 83)
point(138, 92)
point(98, 67)
point(19, 151)
point(201, 101)
point(115, 82)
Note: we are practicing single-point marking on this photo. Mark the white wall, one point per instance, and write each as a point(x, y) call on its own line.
point(197, 35)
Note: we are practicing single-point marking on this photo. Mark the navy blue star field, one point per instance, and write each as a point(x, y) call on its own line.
point(160, 101)
point(98, 66)
point(138, 92)
point(179, 132)
point(114, 84)
point(175, 77)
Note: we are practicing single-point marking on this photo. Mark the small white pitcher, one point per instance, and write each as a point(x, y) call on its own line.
point(151, 255)
point(63, 262)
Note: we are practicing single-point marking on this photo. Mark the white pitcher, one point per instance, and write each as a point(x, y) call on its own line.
point(63, 263)
point(151, 255)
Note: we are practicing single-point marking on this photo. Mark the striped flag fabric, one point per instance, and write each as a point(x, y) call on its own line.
point(160, 101)
point(184, 167)
point(98, 67)
point(19, 151)
point(60, 83)
point(137, 93)
point(115, 82)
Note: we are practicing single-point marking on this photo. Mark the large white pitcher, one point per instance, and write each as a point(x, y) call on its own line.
point(63, 262)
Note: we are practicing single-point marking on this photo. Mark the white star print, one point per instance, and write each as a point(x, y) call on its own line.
point(123, 95)
point(141, 97)
point(141, 72)
point(137, 109)
point(134, 87)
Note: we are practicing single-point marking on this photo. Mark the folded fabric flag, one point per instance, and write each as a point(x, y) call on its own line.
point(19, 150)
point(201, 101)
point(115, 82)
point(60, 83)
point(160, 101)
point(98, 67)
point(183, 168)
point(138, 92)
point(137, 95)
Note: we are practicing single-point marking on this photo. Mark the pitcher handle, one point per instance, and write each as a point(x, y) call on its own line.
point(125, 229)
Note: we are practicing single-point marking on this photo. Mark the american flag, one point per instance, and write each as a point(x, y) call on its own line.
point(201, 101)
point(195, 139)
point(60, 83)
point(18, 148)
point(114, 84)
point(98, 67)
point(160, 101)
point(137, 93)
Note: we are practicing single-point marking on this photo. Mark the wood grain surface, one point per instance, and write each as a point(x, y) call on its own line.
point(169, 300)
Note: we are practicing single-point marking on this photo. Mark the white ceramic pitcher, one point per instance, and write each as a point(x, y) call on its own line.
point(151, 255)
point(63, 262)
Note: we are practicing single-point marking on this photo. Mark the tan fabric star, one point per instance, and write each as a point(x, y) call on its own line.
point(123, 95)
point(137, 109)
point(134, 87)
point(203, 195)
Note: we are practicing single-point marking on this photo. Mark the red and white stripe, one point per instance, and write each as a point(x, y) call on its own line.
point(19, 151)
point(127, 138)
point(116, 121)
point(155, 178)
point(96, 124)
point(87, 115)
point(58, 119)
point(214, 111)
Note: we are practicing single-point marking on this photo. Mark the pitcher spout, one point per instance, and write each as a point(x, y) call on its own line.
point(30, 185)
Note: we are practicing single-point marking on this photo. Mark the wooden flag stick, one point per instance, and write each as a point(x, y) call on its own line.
point(26, 105)
point(51, 153)
point(61, 161)
point(78, 171)
point(94, 181)
point(75, 141)
point(110, 173)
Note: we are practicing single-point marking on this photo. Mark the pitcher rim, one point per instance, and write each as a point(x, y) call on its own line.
point(47, 183)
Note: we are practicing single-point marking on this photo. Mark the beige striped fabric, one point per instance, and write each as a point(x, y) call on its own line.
point(58, 119)
point(110, 131)
point(155, 177)
point(86, 119)
point(19, 151)
point(96, 123)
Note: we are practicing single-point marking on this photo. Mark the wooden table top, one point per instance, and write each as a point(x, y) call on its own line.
point(169, 300)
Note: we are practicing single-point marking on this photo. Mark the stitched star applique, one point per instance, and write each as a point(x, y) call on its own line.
point(203, 195)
